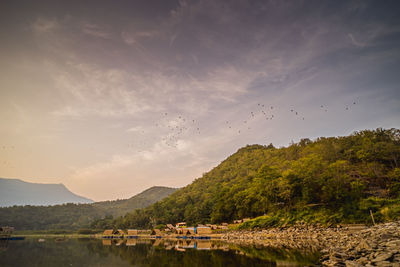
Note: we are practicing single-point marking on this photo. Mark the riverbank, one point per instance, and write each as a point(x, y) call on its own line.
point(355, 245)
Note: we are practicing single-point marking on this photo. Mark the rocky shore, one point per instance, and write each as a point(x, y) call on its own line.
point(351, 245)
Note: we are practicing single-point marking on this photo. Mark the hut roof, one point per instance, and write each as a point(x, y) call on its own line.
point(132, 232)
point(170, 226)
point(108, 232)
point(155, 232)
point(119, 231)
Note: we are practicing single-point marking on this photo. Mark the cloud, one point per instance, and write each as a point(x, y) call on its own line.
point(95, 30)
point(355, 42)
point(128, 38)
point(44, 25)
point(135, 129)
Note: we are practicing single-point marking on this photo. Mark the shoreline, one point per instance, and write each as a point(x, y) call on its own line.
point(349, 245)
point(343, 246)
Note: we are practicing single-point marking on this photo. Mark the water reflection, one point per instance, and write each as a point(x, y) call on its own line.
point(147, 252)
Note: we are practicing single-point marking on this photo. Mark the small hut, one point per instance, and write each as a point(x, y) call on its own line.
point(118, 233)
point(189, 231)
point(109, 233)
point(132, 233)
point(181, 224)
point(213, 226)
point(156, 232)
point(170, 226)
point(203, 230)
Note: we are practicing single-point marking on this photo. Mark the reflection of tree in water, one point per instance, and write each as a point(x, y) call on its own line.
point(168, 253)
point(92, 252)
point(3, 245)
point(72, 252)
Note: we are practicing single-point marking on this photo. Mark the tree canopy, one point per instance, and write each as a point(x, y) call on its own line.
point(335, 179)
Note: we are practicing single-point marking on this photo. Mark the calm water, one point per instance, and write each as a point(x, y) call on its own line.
point(140, 252)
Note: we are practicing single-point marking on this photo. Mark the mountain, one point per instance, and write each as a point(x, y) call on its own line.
point(17, 192)
point(74, 216)
point(328, 180)
point(141, 200)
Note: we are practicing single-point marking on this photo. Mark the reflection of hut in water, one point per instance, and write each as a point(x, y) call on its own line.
point(157, 242)
point(131, 242)
point(168, 245)
point(120, 242)
point(203, 245)
point(3, 245)
point(143, 241)
point(188, 244)
point(106, 242)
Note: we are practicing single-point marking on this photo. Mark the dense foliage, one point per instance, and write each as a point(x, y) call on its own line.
point(336, 179)
point(76, 216)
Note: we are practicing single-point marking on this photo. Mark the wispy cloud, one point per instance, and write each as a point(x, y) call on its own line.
point(95, 30)
point(355, 42)
point(43, 25)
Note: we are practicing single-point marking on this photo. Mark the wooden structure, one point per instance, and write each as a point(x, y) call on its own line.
point(203, 245)
point(189, 231)
point(181, 224)
point(156, 232)
point(106, 242)
point(6, 231)
point(131, 242)
point(132, 233)
point(203, 230)
point(110, 233)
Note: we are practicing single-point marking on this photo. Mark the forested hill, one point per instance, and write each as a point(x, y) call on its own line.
point(74, 216)
point(141, 200)
point(335, 179)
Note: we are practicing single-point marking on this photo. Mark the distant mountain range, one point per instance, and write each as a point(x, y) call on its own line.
point(66, 216)
point(17, 192)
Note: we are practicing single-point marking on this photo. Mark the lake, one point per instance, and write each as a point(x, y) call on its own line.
point(146, 252)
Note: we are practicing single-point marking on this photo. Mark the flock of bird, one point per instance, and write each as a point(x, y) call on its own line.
point(176, 126)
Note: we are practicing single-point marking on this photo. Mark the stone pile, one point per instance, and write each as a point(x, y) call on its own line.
point(340, 246)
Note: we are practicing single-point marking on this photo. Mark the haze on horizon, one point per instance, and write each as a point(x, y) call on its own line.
point(113, 97)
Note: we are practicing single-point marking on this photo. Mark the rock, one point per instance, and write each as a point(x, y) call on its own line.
point(362, 260)
point(363, 245)
point(383, 263)
point(382, 257)
point(352, 264)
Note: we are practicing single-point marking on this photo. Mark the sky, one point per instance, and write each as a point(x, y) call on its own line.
point(113, 97)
